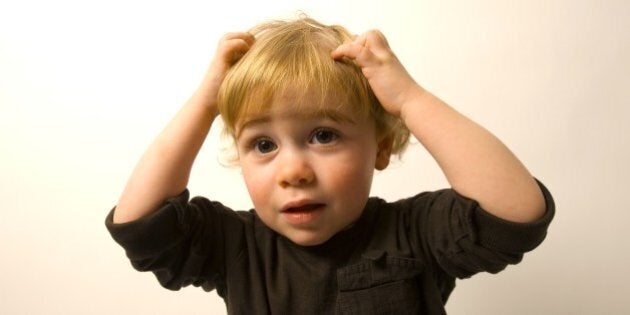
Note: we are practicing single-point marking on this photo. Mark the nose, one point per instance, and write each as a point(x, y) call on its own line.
point(294, 169)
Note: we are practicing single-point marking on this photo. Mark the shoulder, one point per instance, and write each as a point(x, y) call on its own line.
point(216, 210)
point(419, 203)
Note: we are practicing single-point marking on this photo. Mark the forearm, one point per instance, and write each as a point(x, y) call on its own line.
point(164, 169)
point(475, 162)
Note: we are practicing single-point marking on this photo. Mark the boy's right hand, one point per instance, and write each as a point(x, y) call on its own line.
point(230, 49)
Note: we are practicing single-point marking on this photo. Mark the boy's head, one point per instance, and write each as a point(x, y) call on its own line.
point(308, 130)
point(294, 57)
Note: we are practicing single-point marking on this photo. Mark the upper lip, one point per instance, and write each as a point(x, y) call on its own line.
point(298, 204)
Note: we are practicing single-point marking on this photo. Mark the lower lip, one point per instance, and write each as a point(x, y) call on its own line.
point(303, 217)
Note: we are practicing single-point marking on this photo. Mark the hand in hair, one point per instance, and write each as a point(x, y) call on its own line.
point(390, 81)
point(230, 49)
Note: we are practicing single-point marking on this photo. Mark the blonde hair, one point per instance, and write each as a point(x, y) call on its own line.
point(294, 57)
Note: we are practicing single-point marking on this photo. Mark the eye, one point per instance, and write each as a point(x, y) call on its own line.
point(264, 145)
point(324, 136)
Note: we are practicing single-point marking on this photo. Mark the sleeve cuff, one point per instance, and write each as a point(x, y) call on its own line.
point(508, 236)
point(151, 234)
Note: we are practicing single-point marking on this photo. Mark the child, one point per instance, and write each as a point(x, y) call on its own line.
point(313, 111)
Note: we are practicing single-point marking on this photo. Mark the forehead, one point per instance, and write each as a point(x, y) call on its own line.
point(298, 106)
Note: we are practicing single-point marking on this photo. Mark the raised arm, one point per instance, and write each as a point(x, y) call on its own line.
point(476, 164)
point(164, 169)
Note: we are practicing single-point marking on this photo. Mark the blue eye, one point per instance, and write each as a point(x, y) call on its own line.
point(324, 136)
point(264, 145)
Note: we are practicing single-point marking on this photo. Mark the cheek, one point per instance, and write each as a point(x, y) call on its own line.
point(352, 176)
point(258, 186)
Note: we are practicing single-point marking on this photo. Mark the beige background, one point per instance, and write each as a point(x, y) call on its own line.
point(86, 85)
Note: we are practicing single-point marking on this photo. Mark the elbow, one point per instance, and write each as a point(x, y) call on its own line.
point(531, 209)
point(525, 204)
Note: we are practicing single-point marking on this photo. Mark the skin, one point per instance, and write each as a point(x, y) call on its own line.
point(475, 162)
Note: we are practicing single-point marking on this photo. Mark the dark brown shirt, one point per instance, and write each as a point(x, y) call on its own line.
point(401, 257)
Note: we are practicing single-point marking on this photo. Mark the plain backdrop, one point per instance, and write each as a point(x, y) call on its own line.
point(86, 85)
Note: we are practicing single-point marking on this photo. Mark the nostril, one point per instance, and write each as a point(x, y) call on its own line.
point(302, 179)
point(294, 170)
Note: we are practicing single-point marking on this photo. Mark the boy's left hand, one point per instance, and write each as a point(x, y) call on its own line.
point(390, 81)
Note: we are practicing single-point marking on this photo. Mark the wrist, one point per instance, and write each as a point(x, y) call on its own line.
point(206, 96)
point(415, 97)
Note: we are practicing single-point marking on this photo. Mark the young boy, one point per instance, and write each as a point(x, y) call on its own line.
point(313, 111)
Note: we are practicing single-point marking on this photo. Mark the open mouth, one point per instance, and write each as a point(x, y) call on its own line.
point(304, 208)
point(304, 214)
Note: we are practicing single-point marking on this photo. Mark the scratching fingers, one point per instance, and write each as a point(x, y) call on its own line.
point(233, 46)
point(368, 48)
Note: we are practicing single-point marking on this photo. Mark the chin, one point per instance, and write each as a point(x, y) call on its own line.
point(308, 239)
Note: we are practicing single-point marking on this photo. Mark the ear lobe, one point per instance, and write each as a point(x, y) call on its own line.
point(383, 154)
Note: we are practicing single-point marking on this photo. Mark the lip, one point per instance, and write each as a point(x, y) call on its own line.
point(302, 212)
point(297, 204)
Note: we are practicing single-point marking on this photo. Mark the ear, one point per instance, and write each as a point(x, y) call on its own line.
point(384, 153)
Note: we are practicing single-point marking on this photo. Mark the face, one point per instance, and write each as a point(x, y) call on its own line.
point(309, 176)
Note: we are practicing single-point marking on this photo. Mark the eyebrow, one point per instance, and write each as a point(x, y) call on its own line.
point(333, 114)
point(256, 120)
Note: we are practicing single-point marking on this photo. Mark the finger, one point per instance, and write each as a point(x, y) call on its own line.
point(362, 55)
point(377, 38)
point(236, 48)
point(344, 50)
point(351, 49)
point(234, 45)
point(377, 47)
point(248, 37)
point(237, 41)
